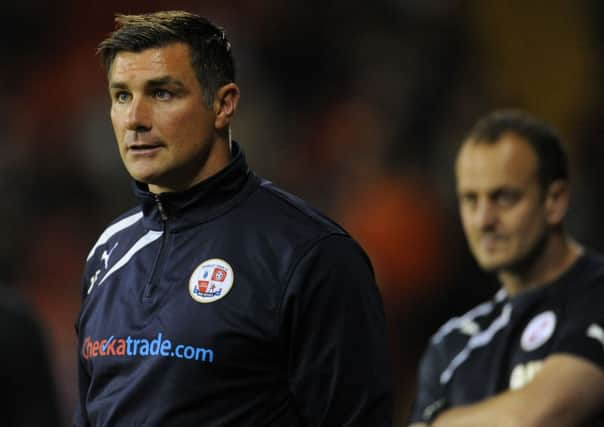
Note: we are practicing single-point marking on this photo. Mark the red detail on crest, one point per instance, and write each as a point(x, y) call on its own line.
point(202, 286)
point(219, 274)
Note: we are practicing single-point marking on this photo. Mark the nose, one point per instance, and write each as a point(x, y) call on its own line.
point(485, 216)
point(138, 115)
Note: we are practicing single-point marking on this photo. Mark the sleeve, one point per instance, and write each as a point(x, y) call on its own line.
point(582, 330)
point(430, 396)
point(80, 418)
point(335, 337)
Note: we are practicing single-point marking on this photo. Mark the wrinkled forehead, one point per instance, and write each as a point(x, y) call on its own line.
point(487, 166)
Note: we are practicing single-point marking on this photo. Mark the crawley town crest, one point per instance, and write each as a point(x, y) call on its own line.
point(538, 331)
point(211, 280)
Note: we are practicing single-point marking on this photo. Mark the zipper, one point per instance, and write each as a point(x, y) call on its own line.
point(162, 211)
point(159, 259)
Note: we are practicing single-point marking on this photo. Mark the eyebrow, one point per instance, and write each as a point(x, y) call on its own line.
point(160, 81)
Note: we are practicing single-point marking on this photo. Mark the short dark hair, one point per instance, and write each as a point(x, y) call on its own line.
point(545, 141)
point(210, 50)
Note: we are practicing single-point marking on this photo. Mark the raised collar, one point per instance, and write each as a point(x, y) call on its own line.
point(200, 203)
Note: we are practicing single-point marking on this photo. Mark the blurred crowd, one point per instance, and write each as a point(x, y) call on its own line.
point(358, 107)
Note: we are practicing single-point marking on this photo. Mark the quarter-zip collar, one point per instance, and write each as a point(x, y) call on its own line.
point(202, 202)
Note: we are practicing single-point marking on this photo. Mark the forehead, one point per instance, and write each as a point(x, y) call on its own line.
point(509, 162)
point(170, 60)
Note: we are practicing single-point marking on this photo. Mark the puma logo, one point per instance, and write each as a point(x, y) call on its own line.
point(596, 332)
point(106, 255)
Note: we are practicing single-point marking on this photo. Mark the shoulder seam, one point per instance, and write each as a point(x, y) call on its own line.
point(277, 195)
point(115, 228)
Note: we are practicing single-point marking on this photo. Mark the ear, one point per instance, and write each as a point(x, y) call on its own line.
point(225, 105)
point(557, 201)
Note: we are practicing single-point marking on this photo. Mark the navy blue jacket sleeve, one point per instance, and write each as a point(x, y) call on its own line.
point(582, 331)
point(334, 326)
point(80, 418)
point(431, 394)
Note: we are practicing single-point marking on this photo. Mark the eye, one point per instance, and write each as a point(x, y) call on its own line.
point(121, 97)
point(162, 94)
point(506, 197)
point(467, 200)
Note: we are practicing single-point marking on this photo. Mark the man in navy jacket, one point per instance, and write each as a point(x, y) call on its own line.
point(219, 300)
point(532, 355)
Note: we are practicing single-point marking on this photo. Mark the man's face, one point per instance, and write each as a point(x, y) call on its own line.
point(501, 203)
point(164, 131)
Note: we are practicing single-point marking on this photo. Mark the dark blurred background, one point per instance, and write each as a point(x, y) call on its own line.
point(355, 106)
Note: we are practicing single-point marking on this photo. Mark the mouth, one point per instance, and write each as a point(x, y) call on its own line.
point(144, 148)
point(491, 242)
point(142, 142)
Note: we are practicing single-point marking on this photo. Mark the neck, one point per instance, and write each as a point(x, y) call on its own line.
point(557, 255)
point(216, 158)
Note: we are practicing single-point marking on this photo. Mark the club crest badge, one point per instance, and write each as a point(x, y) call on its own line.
point(211, 280)
point(538, 331)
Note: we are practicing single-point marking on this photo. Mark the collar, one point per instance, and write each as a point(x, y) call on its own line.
point(571, 275)
point(200, 203)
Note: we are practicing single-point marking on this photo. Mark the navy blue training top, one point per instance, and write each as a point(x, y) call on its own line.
point(230, 304)
point(502, 344)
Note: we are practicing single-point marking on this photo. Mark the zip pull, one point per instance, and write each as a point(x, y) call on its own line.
point(160, 206)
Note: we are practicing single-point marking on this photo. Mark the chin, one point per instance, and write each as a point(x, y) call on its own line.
point(144, 177)
point(493, 265)
point(517, 264)
point(489, 267)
